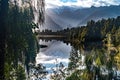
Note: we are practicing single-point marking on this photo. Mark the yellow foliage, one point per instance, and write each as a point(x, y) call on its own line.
point(98, 61)
point(117, 58)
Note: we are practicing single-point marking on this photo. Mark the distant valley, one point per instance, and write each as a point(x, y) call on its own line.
point(63, 17)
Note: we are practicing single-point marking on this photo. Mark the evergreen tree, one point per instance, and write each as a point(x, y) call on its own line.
point(3, 17)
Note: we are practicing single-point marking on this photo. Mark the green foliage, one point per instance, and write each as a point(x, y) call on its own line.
point(3, 17)
point(20, 73)
point(39, 72)
point(94, 60)
point(93, 31)
point(97, 57)
point(9, 72)
point(117, 37)
point(74, 58)
point(74, 76)
point(21, 44)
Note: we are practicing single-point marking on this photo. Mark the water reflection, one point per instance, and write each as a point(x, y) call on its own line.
point(54, 55)
point(91, 61)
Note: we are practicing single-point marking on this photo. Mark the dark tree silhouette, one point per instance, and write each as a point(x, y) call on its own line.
point(3, 17)
point(16, 36)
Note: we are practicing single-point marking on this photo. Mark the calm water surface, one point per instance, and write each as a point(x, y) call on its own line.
point(92, 61)
point(55, 53)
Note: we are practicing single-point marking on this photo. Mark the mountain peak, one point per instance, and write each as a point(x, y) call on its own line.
point(77, 16)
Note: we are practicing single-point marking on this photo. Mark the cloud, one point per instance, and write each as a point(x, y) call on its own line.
point(81, 3)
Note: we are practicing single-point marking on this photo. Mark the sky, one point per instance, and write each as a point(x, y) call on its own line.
point(81, 3)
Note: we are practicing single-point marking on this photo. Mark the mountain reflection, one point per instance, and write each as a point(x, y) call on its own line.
point(73, 61)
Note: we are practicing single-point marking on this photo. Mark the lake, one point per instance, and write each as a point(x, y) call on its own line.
point(91, 61)
point(54, 53)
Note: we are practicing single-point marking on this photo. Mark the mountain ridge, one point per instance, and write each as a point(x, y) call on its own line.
point(64, 16)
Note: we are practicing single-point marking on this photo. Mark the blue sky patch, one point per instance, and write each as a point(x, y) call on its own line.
point(68, 1)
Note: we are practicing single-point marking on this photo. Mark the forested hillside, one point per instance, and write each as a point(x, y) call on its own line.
point(18, 43)
point(19, 20)
point(94, 31)
point(58, 18)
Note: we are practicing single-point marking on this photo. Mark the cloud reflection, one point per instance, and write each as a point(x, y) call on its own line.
point(56, 52)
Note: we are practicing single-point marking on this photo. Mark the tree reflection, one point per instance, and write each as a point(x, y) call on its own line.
point(38, 72)
point(99, 63)
point(59, 72)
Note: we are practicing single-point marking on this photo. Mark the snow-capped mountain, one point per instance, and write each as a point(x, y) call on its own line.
point(62, 17)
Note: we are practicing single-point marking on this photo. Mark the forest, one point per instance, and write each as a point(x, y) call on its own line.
point(99, 42)
point(19, 44)
point(93, 31)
